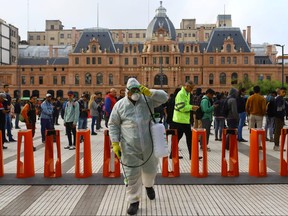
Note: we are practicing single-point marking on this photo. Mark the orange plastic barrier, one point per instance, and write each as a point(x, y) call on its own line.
point(25, 169)
point(257, 166)
point(87, 160)
point(233, 154)
point(1, 156)
point(283, 162)
point(50, 170)
point(196, 134)
point(107, 159)
point(175, 156)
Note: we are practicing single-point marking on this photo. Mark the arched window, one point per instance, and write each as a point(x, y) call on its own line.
point(110, 79)
point(246, 77)
point(160, 79)
point(51, 92)
point(88, 79)
point(228, 48)
point(59, 93)
point(17, 94)
point(26, 93)
point(222, 79)
point(36, 93)
point(211, 79)
point(93, 49)
point(99, 79)
point(77, 79)
point(234, 78)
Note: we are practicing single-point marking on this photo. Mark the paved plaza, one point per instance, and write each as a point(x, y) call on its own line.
point(183, 195)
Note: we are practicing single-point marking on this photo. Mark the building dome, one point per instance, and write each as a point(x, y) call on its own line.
point(160, 20)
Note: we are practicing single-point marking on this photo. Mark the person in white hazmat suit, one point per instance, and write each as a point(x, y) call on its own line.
point(131, 140)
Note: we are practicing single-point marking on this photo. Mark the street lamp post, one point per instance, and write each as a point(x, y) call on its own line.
point(282, 46)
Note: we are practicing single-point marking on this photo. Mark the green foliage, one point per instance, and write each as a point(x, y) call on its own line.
point(266, 86)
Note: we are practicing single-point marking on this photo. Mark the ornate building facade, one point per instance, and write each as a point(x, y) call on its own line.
point(102, 59)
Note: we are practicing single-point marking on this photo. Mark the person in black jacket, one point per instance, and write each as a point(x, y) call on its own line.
point(270, 116)
point(241, 103)
point(279, 117)
point(17, 111)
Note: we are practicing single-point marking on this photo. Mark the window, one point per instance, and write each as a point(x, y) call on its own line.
point(268, 78)
point(31, 37)
point(52, 27)
point(130, 35)
point(154, 60)
point(54, 80)
point(93, 60)
point(160, 79)
point(222, 60)
point(32, 80)
point(110, 79)
point(110, 60)
point(211, 79)
point(40, 80)
point(99, 79)
point(245, 77)
point(31, 69)
point(126, 61)
point(55, 69)
point(234, 78)
point(234, 60)
point(93, 49)
point(187, 78)
point(228, 48)
point(62, 35)
point(99, 60)
point(167, 60)
point(135, 50)
point(195, 60)
point(63, 80)
point(196, 80)
point(77, 60)
point(137, 35)
point(38, 37)
point(87, 60)
point(52, 38)
point(211, 60)
point(187, 49)
point(222, 79)
point(88, 79)
point(245, 60)
point(161, 60)
point(134, 61)
point(77, 79)
point(228, 60)
point(187, 60)
point(23, 80)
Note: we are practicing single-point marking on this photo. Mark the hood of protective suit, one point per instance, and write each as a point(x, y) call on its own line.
point(132, 83)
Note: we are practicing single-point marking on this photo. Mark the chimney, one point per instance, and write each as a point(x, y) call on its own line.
point(56, 52)
point(244, 34)
point(201, 34)
point(249, 35)
point(50, 51)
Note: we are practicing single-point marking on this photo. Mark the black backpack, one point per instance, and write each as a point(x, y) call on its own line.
point(199, 112)
point(225, 110)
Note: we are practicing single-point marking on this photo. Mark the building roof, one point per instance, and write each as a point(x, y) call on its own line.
point(26, 51)
point(262, 60)
point(43, 61)
point(160, 20)
point(218, 36)
point(102, 35)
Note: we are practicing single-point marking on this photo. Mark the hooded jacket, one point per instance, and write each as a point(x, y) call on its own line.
point(232, 104)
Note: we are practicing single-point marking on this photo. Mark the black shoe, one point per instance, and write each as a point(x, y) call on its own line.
point(133, 208)
point(4, 147)
point(57, 124)
point(6, 141)
point(180, 157)
point(200, 158)
point(34, 148)
point(17, 128)
point(93, 133)
point(12, 140)
point(150, 193)
point(243, 140)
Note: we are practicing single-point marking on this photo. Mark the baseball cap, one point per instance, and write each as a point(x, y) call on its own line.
point(3, 95)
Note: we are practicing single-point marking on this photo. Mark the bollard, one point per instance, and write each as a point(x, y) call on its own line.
point(283, 162)
point(196, 134)
point(1, 156)
point(50, 170)
point(233, 154)
point(257, 166)
point(107, 159)
point(175, 156)
point(87, 160)
point(25, 168)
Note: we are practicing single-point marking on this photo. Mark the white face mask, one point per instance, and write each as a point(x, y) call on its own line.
point(135, 96)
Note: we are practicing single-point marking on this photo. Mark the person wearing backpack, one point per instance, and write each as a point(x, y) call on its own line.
point(29, 113)
point(71, 118)
point(207, 109)
point(219, 118)
point(241, 102)
point(270, 116)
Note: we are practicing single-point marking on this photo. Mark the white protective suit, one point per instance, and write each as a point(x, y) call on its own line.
point(129, 124)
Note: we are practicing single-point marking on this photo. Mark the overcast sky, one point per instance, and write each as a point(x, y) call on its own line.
point(267, 18)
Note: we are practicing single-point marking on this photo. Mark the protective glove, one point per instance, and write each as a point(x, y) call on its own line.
point(116, 149)
point(144, 90)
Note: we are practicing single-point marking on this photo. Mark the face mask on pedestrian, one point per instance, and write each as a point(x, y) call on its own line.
point(135, 96)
